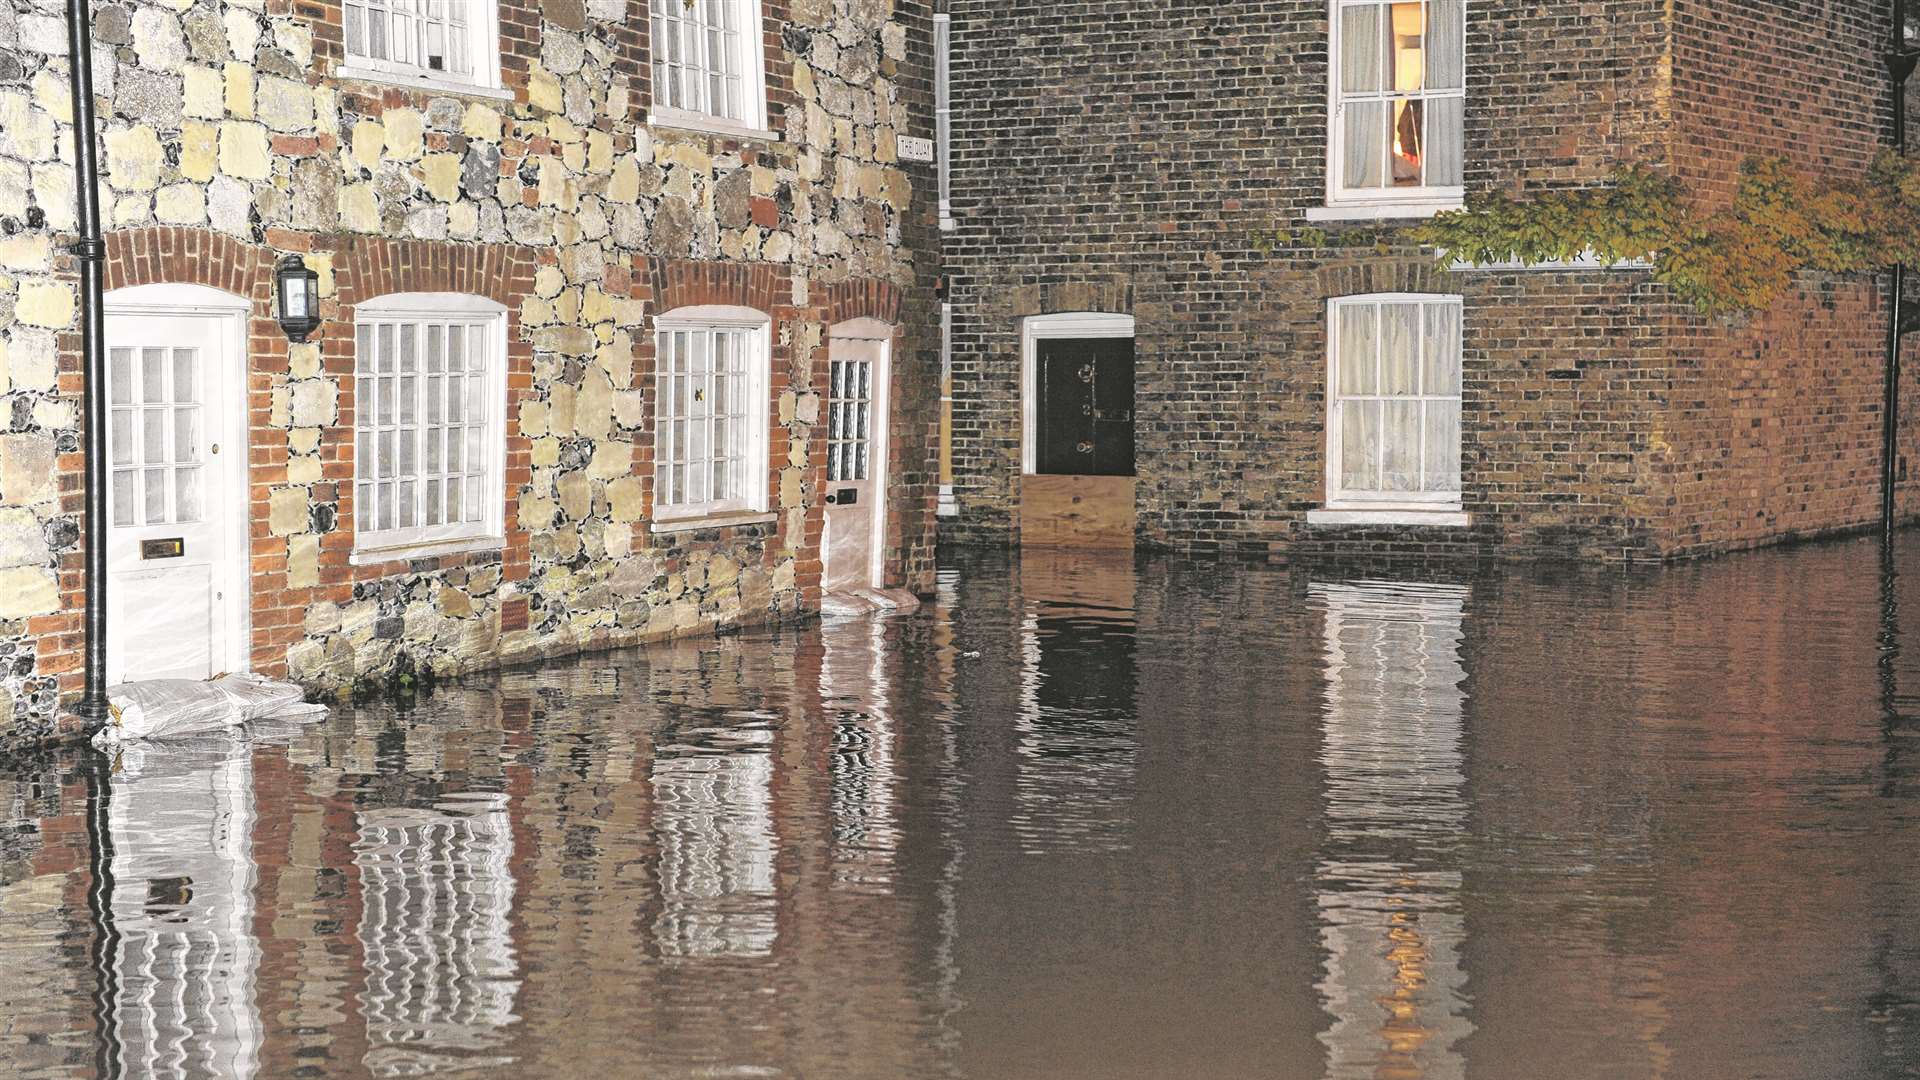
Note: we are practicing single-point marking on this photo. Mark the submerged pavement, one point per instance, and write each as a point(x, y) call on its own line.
point(1075, 817)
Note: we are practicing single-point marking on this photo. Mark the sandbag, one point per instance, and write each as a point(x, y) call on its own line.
point(157, 708)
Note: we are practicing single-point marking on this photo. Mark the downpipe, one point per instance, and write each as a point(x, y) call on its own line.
point(91, 252)
point(1901, 59)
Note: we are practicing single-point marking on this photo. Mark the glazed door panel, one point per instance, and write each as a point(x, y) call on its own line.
point(168, 568)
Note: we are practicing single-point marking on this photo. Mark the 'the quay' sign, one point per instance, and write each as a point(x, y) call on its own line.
point(912, 149)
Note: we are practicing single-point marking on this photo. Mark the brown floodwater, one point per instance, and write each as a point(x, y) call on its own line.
point(1077, 817)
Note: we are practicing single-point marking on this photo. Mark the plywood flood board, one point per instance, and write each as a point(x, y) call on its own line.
point(1076, 511)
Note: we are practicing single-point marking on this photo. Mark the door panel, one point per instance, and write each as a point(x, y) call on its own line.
point(167, 535)
point(856, 460)
point(1085, 407)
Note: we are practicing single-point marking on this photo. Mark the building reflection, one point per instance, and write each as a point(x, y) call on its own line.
point(177, 905)
point(1076, 739)
point(1389, 879)
point(713, 820)
point(862, 766)
point(436, 889)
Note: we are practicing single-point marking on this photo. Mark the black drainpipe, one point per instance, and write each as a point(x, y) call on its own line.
point(92, 253)
point(1900, 65)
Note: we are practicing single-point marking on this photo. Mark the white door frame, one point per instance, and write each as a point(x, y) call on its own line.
point(227, 428)
point(881, 444)
point(1034, 328)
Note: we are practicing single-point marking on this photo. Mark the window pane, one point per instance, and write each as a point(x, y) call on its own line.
point(405, 505)
point(153, 440)
point(155, 501)
point(153, 375)
point(1446, 44)
point(476, 454)
point(409, 339)
point(1409, 32)
point(384, 456)
point(356, 33)
point(1400, 447)
point(1443, 446)
point(409, 453)
point(1446, 140)
point(1441, 370)
point(409, 399)
point(186, 435)
point(473, 501)
point(1399, 359)
point(363, 348)
point(186, 494)
point(434, 516)
point(457, 347)
point(122, 436)
point(384, 352)
point(1408, 147)
point(456, 399)
point(1365, 136)
point(1360, 49)
point(1359, 444)
point(436, 348)
point(386, 505)
point(120, 376)
point(123, 497)
point(185, 387)
point(1359, 348)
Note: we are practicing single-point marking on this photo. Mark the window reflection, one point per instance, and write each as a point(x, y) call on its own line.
point(437, 890)
point(713, 818)
point(180, 873)
point(1388, 877)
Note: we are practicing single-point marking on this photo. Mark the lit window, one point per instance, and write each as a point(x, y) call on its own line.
point(707, 64)
point(434, 41)
point(710, 420)
point(1393, 423)
point(429, 393)
point(1398, 95)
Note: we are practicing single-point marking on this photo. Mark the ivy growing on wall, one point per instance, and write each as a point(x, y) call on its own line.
point(1737, 259)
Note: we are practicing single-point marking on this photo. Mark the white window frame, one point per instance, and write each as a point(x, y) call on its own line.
point(754, 505)
point(483, 45)
point(753, 85)
point(370, 545)
point(1384, 507)
point(1383, 203)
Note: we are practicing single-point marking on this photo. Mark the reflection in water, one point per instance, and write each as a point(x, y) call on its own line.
point(1389, 877)
point(437, 890)
point(1678, 831)
point(863, 763)
point(713, 816)
point(180, 824)
point(1077, 745)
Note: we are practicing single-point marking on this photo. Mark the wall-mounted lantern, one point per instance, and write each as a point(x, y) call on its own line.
point(298, 290)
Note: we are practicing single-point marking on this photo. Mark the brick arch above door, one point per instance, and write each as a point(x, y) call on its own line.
point(167, 254)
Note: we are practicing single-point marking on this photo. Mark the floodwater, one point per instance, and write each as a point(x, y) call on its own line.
point(1074, 818)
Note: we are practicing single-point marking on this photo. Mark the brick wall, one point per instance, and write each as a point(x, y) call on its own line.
point(230, 141)
point(1774, 425)
point(1109, 157)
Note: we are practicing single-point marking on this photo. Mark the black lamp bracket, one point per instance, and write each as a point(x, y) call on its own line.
point(1901, 63)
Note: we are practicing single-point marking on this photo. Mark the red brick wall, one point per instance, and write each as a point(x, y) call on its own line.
point(1773, 428)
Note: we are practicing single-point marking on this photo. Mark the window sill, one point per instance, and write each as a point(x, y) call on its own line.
point(1438, 517)
point(410, 82)
point(682, 120)
point(1383, 211)
point(723, 520)
point(431, 549)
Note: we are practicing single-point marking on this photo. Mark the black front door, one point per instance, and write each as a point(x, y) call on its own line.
point(1085, 411)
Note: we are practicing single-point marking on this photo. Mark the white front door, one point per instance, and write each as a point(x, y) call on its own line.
point(856, 461)
point(174, 569)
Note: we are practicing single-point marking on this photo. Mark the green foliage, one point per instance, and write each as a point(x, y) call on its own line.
point(1732, 260)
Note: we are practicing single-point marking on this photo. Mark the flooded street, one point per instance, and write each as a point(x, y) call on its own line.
point(1074, 818)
